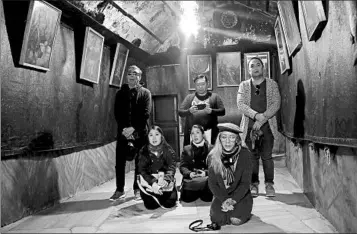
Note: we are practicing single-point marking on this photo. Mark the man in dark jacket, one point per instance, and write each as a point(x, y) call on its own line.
point(132, 110)
point(203, 108)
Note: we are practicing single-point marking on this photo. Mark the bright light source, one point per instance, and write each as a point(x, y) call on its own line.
point(189, 21)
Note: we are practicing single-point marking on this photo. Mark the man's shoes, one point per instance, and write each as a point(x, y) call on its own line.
point(137, 194)
point(254, 190)
point(269, 189)
point(117, 195)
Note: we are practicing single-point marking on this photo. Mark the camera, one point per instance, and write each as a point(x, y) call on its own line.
point(201, 106)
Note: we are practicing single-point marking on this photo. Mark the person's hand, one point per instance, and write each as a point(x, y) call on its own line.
point(193, 109)
point(127, 132)
point(260, 117)
point(156, 189)
point(228, 205)
point(256, 125)
point(208, 109)
point(193, 175)
point(200, 173)
point(162, 183)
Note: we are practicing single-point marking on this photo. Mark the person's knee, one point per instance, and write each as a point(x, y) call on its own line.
point(235, 221)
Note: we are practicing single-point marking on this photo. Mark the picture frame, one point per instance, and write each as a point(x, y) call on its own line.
point(42, 24)
point(92, 56)
point(264, 56)
point(290, 26)
point(119, 65)
point(281, 45)
point(228, 69)
point(314, 17)
point(199, 64)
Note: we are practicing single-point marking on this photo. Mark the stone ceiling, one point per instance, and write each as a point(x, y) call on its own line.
point(222, 22)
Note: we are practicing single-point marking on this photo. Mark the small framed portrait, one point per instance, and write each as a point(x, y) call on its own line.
point(290, 26)
point(119, 64)
point(314, 17)
point(42, 24)
point(264, 56)
point(228, 69)
point(199, 64)
point(92, 56)
point(281, 45)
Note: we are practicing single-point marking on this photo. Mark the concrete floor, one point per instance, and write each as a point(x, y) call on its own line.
point(91, 212)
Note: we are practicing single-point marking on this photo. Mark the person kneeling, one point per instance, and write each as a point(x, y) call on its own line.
point(229, 176)
point(157, 172)
point(193, 168)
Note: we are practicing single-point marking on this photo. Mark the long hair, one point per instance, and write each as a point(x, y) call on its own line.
point(214, 158)
point(157, 128)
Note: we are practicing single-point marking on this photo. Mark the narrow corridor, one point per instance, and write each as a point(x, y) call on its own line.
point(92, 212)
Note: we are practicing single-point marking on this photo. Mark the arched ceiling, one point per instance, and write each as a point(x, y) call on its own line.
point(222, 22)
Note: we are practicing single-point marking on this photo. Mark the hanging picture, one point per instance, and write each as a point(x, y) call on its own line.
point(228, 69)
point(290, 26)
point(281, 45)
point(92, 56)
point(314, 17)
point(41, 28)
point(264, 56)
point(199, 64)
point(119, 64)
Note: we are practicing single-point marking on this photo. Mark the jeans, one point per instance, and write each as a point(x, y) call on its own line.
point(263, 151)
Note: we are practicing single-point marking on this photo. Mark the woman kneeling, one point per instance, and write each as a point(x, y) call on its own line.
point(229, 176)
point(157, 172)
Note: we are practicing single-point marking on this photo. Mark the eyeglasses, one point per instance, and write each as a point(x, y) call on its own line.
point(230, 138)
point(257, 89)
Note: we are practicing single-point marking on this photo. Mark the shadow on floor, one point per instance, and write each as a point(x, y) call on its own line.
point(298, 199)
point(136, 210)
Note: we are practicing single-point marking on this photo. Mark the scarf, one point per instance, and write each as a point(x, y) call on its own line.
point(156, 150)
point(229, 159)
point(201, 144)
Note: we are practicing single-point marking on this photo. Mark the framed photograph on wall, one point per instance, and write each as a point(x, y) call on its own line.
point(281, 45)
point(314, 17)
point(199, 64)
point(119, 64)
point(290, 26)
point(42, 24)
point(264, 56)
point(92, 56)
point(228, 69)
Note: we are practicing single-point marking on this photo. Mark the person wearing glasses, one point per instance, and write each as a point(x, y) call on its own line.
point(202, 108)
point(132, 110)
point(258, 100)
point(229, 176)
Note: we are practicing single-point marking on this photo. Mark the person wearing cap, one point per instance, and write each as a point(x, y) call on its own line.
point(229, 176)
point(258, 100)
point(132, 110)
point(203, 108)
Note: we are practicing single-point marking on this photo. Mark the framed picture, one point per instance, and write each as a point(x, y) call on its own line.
point(281, 45)
point(41, 28)
point(119, 64)
point(228, 69)
point(290, 26)
point(199, 64)
point(314, 17)
point(92, 56)
point(264, 56)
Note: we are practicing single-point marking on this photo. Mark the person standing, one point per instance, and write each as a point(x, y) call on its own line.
point(258, 99)
point(202, 108)
point(132, 110)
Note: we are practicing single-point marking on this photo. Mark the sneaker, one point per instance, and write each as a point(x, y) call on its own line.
point(137, 194)
point(254, 190)
point(269, 189)
point(117, 195)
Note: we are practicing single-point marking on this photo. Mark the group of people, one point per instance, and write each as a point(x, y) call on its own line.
point(219, 162)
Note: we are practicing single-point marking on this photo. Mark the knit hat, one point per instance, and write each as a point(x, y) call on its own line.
point(230, 127)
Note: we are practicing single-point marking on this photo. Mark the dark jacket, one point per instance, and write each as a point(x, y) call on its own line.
point(191, 160)
point(150, 164)
point(210, 121)
point(128, 115)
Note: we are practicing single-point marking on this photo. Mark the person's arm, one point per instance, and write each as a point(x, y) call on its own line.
point(220, 193)
point(184, 109)
point(220, 110)
point(244, 108)
point(144, 166)
point(244, 183)
point(272, 109)
point(171, 165)
point(148, 104)
point(117, 110)
point(184, 164)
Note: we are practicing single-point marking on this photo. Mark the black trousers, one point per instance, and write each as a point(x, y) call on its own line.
point(167, 199)
point(190, 194)
point(121, 163)
point(263, 151)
